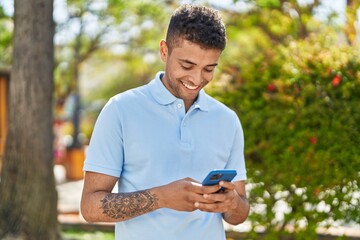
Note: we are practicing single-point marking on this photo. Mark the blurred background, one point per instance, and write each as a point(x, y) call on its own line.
point(291, 71)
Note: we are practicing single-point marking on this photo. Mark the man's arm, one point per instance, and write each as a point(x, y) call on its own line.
point(239, 211)
point(98, 204)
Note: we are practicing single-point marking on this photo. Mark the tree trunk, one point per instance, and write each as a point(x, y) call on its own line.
point(351, 16)
point(28, 198)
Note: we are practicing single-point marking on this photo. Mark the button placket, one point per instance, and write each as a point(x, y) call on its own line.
point(186, 135)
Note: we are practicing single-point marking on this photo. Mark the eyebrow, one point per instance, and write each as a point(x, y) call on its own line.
point(192, 63)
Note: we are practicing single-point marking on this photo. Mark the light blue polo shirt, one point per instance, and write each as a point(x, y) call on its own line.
point(144, 137)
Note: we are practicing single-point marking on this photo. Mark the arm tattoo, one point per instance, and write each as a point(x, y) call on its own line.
point(127, 205)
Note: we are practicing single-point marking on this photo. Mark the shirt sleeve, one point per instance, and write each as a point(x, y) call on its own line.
point(237, 159)
point(106, 153)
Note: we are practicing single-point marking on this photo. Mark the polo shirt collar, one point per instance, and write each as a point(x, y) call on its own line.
point(164, 97)
point(201, 101)
point(160, 92)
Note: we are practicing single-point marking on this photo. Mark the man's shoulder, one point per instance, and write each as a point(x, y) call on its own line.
point(131, 94)
point(128, 100)
point(139, 92)
point(217, 106)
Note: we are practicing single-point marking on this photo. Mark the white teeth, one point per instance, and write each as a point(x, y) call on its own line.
point(189, 86)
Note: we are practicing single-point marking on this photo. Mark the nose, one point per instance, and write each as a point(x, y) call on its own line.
point(196, 77)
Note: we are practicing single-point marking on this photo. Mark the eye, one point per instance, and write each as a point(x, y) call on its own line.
point(209, 70)
point(185, 67)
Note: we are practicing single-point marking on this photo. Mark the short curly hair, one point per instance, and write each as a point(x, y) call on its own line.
point(198, 24)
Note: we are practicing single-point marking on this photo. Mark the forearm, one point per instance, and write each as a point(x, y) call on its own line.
point(116, 207)
point(99, 205)
point(239, 213)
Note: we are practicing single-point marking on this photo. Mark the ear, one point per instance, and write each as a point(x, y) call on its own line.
point(163, 50)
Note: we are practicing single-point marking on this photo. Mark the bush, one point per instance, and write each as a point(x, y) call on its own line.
point(300, 112)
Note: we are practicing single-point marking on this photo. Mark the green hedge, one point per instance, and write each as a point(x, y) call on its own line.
point(299, 104)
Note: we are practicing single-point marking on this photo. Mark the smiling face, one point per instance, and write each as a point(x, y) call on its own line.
point(188, 69)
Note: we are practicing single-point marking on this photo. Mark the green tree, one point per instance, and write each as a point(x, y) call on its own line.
point(103, 28)
point(28, 199)
point(6, 28)
point(76, 49)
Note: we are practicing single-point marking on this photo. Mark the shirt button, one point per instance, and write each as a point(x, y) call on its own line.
point(179, 105)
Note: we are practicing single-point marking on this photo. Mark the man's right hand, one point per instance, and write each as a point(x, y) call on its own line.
point(182, 194)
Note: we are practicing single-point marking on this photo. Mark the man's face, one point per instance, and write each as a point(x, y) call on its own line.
point(188, 69)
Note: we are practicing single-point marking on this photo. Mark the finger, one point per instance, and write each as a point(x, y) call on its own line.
point(216, 197)
point(226, 196)
point(228, 186)
point(212, 207)
point(198, 188)
point(196, 184)
point(199, 198)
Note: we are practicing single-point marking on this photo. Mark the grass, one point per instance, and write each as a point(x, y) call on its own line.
point(86, 235)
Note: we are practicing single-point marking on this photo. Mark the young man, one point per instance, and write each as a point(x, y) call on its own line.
point(160, 140)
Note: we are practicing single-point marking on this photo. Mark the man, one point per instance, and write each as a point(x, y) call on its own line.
point(160, 140)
